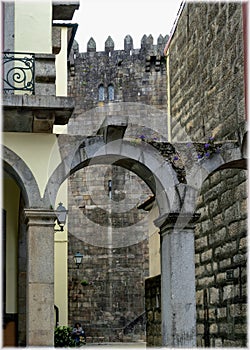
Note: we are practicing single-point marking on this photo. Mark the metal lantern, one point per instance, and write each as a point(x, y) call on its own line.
point(61, 213)
point(78, 259)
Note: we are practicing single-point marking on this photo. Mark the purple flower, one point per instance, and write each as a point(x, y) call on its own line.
point(199, 156)
point(206, 145)
point(211, 138)
point(155, 138)
point(189, 144)
point(176, 158)
point(142, 137)
point(207, 154)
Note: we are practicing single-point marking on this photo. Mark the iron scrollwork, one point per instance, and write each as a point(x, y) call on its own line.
point(18, 72)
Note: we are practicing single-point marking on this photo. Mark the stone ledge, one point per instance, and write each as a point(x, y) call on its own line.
point(113, 128)
point(28, 109)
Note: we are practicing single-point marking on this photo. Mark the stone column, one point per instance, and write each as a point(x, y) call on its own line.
point(40, 277)
point(178, 302)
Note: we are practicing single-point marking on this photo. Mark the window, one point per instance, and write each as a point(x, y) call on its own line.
point(111, 94)
point(101, 93)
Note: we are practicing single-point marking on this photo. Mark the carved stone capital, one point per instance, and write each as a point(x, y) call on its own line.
point(176, 221)
point(39, 217)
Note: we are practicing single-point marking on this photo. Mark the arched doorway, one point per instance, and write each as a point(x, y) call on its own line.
point(16, 197)
point(28, 290)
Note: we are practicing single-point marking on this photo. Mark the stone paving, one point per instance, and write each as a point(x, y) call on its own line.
point(117, 345)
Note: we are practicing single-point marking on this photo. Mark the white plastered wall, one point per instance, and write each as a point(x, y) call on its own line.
point(33, 26)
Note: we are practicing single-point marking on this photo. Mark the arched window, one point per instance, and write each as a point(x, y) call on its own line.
point(111, 92)
point(101, 92)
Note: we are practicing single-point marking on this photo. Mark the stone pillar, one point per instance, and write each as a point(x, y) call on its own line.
point(178, 302)
point(40, 277)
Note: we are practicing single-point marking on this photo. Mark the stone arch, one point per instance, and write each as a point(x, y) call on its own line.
point(146, 162)
point(30, 197)
point(142, 159)
point(230, 156)
point(19, 170)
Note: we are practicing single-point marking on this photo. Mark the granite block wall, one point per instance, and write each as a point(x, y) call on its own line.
point(207, 99)
point(106, 293)
point(153, 310)
point(221, 260)
point(207, 72)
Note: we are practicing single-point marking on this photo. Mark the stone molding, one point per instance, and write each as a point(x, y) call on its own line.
point(39, 217)
point(169, 221)
point(21, 112)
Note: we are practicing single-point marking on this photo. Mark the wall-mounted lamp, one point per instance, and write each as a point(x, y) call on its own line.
point(78, 259)
point(61, 214)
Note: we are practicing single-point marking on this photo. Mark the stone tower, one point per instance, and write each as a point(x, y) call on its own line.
point(106, 294)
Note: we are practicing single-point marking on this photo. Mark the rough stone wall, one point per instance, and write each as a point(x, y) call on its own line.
point(207, 99)
point(153, 310)
point(111, 234)
point(113, 295)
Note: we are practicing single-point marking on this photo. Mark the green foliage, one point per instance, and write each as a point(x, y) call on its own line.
point(62, 337)
point(84, 283)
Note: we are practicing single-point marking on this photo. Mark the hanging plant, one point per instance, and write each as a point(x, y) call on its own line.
point(209, 149)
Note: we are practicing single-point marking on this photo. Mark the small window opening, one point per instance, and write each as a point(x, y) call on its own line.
point(101, 93)
point(110, 188)
point(111, 93)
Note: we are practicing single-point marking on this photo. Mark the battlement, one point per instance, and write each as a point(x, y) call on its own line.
point(147, 46)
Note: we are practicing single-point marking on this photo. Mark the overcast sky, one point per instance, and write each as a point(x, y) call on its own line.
point(117, 18)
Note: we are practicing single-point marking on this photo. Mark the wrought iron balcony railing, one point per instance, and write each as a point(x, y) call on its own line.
point(18, 72)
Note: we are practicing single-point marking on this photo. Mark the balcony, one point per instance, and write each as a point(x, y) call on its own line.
point(18, 72)
point(30, 103)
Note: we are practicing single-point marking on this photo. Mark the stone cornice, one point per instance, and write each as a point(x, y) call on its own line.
point(176, 221)
point(39, 217)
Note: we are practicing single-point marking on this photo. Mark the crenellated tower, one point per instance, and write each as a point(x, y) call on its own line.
point(128, 75)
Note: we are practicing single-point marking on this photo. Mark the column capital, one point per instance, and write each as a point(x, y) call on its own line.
point(177, 221)
point(39, 217)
